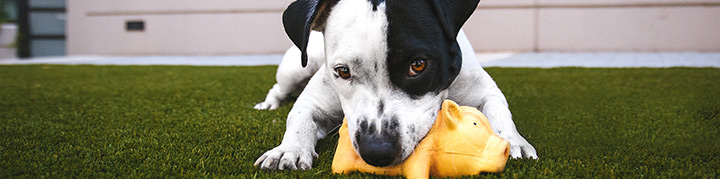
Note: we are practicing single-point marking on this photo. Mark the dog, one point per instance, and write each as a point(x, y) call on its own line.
point(385, 65)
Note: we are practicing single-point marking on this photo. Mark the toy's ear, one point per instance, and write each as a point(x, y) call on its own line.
point(452, 113)
point(302, 16)
point(453, 14)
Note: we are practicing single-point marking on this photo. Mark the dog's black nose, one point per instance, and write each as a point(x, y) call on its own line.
point(377, 150)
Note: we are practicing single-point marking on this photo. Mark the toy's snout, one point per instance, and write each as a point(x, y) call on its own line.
point(498, 150)
point(377, 150)
point(503, 149)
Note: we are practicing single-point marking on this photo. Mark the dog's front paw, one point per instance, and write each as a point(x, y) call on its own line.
point(520, 148)
point(273, 99)
point(286, 158)
point(267, 105)
point(523, 151)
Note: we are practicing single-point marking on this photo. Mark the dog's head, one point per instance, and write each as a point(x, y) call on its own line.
point(391, 63)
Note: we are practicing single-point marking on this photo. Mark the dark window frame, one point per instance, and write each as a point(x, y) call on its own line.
point(25, 36)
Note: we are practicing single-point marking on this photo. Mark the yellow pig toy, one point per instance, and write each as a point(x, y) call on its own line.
point(461, 142)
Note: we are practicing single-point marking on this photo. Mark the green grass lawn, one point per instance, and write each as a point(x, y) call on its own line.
point(159, 121)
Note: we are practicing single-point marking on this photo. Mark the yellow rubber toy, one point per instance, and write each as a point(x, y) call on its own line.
point(461, 142)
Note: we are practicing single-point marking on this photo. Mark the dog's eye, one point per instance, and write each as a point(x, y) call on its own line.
point(416, 67)
point(343, 72)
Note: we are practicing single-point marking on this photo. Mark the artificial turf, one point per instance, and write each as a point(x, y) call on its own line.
point(160, 121)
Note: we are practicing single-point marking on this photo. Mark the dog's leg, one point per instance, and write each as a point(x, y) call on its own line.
point(478, 89)
point(474, 87)
point(316, 111)
point(495, 107)
point(291, 76)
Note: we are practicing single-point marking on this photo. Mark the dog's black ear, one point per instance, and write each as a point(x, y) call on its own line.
point(453, 14)
point(302, 16)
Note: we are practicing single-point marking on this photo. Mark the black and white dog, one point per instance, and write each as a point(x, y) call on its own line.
point(385, 65)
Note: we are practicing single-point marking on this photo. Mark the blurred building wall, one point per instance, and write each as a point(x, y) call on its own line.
point(227, 27)
point(596, 26)
point(176, 27)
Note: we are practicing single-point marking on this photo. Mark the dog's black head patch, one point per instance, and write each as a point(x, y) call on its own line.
point(425, 31)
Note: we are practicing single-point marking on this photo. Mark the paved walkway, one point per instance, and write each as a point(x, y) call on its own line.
point(245, 60)
point(541, 60)
point(549, 60)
